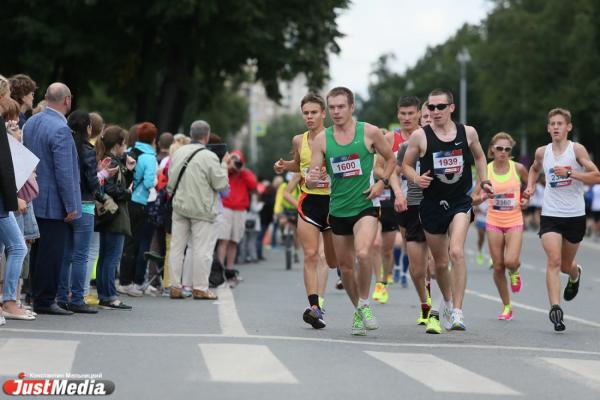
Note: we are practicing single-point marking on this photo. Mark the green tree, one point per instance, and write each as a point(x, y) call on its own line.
point(158, 57)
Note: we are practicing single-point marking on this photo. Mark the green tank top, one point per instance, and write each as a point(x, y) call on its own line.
point(351, 170)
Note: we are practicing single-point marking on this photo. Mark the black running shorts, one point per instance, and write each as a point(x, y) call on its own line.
point(436, 215)
point(314, 209)
point(388, 220)
point(414, 230)
point(571, 228)
point(344, 226)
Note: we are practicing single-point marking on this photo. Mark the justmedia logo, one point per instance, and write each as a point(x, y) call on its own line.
point(67, 385)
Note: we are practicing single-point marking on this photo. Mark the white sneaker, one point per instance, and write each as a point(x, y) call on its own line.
point(368, 318)
point(2, 320)
point(458, 320)
point(122, 289)
point(445, 316)
point(134, 291)
point(151, 291)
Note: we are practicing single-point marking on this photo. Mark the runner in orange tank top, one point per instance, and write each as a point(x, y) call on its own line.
point(504, 223)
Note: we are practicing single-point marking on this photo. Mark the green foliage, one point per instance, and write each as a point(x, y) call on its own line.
point(528, 56)
point(166, 59)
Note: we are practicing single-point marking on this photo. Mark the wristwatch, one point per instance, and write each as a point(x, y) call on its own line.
point(386, 182)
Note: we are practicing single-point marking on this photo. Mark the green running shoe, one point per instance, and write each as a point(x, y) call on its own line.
point(367, 317)
point(433, 324)
point(358, 327)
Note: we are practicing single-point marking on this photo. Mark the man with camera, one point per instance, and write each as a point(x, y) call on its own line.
point(195, 178)
point(232, 221)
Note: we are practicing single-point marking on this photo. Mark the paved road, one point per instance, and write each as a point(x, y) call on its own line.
point(252, 344)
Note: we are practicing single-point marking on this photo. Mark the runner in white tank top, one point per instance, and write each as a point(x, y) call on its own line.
point(563, 195)
point(567, 167)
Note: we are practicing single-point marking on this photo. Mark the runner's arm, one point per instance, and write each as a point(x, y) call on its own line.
point(522, 172)
point(416, 143)
point(383, 148)
point(479, 158)
point(317, 160)
point(534, 171)
point(290, 165)
point(591, 175)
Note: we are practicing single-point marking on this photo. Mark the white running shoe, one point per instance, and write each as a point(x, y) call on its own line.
point(445, 316)
point(458, 320)
point(133, 291)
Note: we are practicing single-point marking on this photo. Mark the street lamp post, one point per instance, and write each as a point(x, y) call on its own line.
point(463, 58)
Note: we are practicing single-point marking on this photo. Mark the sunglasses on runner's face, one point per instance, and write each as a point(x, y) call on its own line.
point(501, 148)
point(440, 107)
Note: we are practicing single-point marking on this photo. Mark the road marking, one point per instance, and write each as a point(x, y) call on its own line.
point(440, 375)
point(229, 319)
point(36, 356)
point(310, 339)
point(531, 308)
point(244, 363)
point(588, 369)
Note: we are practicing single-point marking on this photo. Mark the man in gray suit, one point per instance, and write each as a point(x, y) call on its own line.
point(48, 136)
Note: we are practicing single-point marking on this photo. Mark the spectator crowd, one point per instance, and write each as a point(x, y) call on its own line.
point(108, 212)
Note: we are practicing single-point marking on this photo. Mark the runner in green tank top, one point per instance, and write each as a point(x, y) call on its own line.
point(350, 167)
point(348, 149)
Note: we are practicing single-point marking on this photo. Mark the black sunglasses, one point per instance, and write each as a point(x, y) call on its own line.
point(507, 149)
point(440, 107)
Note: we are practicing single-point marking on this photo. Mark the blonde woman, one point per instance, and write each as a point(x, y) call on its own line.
point(504, 221)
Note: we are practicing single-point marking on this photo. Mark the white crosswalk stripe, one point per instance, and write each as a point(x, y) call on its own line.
point(440, 375)
point(588, 369)
point(36, 356)
point(244, 363)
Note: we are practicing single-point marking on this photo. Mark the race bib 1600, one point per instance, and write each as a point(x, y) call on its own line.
point(448, 162)
point(346, 166)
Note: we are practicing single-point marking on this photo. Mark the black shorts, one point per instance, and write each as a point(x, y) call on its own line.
point(414, 230)
point(401, 219)
point(388, 220)
point(314, 209)
point(596, 215)
point(344, 226)
point(571, 229)
point(436, 215)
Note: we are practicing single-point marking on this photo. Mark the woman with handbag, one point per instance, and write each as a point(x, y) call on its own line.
point(113, 224)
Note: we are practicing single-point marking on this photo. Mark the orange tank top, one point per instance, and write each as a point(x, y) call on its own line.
point(504, 210)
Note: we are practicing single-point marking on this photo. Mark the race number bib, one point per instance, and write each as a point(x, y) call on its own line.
point(448, 162)
point(346, 166)
point(558, 181)
point(321, 184)
point(504, 202)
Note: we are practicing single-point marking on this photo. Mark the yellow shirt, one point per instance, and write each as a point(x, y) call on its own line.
point(323, 188)
point(281, 203)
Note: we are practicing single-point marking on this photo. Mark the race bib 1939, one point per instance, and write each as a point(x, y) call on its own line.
point(504, 202)
point(346, 166)
point(448, 162)
point(558, 181)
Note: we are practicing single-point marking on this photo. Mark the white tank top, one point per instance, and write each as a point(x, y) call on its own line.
point(563, 197)
point(596, 198)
